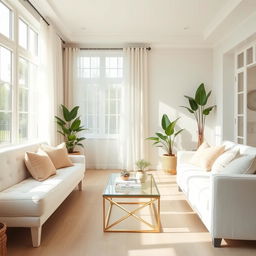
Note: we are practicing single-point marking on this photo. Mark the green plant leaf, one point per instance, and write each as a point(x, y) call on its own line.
point(208, 95)
point(81, 129)
point(165, 121)
point(65, 130)
point(161, 136)
point(66, 113)
point(60, 121)
point(80, 139)
point(170, 129)
point(190, 110)
point(76, 124)
point(73, 112)
point(200, 96)
point(207, 111)
point(61, 133)
point(72, 137)
point(178, 132)
point(192, 103)
point(152, 138)
point(80, 144)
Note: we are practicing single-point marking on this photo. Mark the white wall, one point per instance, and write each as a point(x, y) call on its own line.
point(239, 36)
point(174, 73)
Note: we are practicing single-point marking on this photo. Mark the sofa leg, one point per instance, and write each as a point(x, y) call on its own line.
point(36, 236)
point(216, 242)
point(179, 189)
point(80, 185)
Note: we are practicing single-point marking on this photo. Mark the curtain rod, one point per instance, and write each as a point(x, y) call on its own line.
point(148, 48)
point(37, 12)
point(41, 16)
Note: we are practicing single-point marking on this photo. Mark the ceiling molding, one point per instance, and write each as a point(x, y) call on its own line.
point(220, 17)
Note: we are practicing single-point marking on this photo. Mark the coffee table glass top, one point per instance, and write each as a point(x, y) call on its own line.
point(115, 187)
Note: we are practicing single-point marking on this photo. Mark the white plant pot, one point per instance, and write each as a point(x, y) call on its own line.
point(169, 163)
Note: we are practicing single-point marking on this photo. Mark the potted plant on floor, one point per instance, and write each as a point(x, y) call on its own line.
point(70, 126)
point(166, 141)
point(142, 166)
point(199, 110)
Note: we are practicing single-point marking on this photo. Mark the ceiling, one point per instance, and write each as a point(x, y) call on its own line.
point(159, 22)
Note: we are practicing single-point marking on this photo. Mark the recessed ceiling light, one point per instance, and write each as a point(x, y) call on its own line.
point(186, 28)
point(83, 28)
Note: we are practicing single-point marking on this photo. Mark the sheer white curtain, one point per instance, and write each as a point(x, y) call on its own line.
point(70, 75)
point(50, 87)
point(134, 120)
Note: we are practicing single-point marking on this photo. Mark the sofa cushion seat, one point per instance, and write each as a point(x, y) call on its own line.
point(34, 198)
point(188, 172)
point(199, 194)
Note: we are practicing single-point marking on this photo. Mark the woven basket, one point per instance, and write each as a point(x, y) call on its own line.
point(3, 240)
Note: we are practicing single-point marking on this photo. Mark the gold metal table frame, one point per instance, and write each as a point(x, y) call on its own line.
point(151, 200)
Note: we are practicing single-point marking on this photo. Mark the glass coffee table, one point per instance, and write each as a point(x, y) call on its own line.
point(141, 196)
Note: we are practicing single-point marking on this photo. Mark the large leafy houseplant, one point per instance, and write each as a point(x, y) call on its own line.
point(199, 109)
point(166, 140)
point(70, 126)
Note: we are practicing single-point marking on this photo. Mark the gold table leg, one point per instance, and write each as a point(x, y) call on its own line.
point(154, 228)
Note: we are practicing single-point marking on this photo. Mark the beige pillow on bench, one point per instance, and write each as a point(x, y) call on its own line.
point(58, 155)
point(39, 165)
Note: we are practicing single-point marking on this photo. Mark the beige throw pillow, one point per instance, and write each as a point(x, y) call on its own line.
point(205, 156)
point(58, 155)
point(223, 160)
point(39, 165)
point(195, 160)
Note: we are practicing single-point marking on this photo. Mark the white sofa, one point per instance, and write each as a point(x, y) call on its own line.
point(25, 202)
point(225, 203)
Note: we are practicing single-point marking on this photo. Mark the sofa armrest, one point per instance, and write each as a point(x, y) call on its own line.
point(77, 159)
point(184, 156)
point(233, 208)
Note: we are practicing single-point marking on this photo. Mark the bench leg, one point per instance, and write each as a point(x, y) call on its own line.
point(80, 185)
point(216, 242)
point(36, 236)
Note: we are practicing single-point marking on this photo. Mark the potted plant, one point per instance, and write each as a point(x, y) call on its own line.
point(125, 175)
point(199, 109)
point(166, 141)
point(142, 165)
point(70, 126)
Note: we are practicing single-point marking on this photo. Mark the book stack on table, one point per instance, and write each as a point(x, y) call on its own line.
point(124, 184)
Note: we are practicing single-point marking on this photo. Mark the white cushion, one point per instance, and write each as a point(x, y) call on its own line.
point(187, 172)
point(34, 198)
point(245, 164)
point(223, 160)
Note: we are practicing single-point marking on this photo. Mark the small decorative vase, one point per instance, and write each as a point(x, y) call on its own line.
point(125, 175)
point(75, 153)
point(3, 240)
point(141, 175)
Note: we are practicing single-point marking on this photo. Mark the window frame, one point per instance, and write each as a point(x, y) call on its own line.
point(12, 44)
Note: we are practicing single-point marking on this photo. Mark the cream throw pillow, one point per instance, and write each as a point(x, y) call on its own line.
point(245, 164)
point(223, 160)
point(39, 165)
point(58, 155)
point(195, 160)
point(205, 156)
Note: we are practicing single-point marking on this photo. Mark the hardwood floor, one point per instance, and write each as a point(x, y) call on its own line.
point(76, 228)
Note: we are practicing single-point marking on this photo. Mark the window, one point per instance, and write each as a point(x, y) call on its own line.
point(6, 20)
point(5, 95)
point(18, 75)
point(101, 78)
